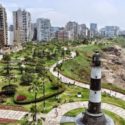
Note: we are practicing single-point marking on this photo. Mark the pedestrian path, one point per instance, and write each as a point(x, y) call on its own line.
point(11, 114)
point(67, 80)
point(52, 119)
point(67, 119)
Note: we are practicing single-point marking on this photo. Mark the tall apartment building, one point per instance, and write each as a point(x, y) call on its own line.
point(3, 27)
point(10, 35)
point(34, 31)
point(72, 29)
point(54, 31)
point(82, 31)
point(43, 29)
point(62, 35)
point(93, 30)
point(22, 26)
point(110, 31)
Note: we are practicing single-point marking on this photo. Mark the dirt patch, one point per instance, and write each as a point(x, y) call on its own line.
point(113, 59)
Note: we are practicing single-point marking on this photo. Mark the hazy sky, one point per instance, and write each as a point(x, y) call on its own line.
point(102, 12)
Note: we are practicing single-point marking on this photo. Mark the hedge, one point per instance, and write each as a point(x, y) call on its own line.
point(40, 99)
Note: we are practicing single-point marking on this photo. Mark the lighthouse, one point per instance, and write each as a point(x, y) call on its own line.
point(94, 115)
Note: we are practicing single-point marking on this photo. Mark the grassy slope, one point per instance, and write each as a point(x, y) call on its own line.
point(79, 67)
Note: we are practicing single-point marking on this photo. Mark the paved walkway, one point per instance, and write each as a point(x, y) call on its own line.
point(11, 114)
point(51, 118)
point(67, 80)
point(67, 119)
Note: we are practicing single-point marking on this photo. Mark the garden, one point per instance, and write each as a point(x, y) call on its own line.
point(25, 79)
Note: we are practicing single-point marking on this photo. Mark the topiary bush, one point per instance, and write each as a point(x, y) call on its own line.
point(9, 90)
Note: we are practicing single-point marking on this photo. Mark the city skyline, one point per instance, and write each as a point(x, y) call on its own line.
point(104, 12)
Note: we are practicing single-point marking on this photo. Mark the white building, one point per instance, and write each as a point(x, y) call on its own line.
point(10, 35)
point(43, 29)
point(109, 31)
point(22, 26)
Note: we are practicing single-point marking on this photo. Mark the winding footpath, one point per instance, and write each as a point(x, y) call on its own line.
point(67, 80)
point(52, 119)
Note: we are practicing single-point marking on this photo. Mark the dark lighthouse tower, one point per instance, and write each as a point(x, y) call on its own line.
point(94, 115)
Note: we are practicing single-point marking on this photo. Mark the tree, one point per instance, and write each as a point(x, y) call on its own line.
point(26, 79)
point(36, 87)
point(39, 69)
point(7, 58)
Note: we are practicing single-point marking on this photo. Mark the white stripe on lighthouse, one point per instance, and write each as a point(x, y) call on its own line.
point(95, 96)
point(96, 73)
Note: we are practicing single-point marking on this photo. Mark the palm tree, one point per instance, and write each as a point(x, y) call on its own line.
point(36, 85)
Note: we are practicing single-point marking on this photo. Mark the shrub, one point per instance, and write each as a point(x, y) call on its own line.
point(6, 87)
point(21, 98)
point(40, 98)
point(6, 57)
point(29, 70)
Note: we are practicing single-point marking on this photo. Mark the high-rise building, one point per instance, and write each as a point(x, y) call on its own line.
point(34, 31)
point(43, 29)
point(93, 30)
point(109, 31)
point(62, 35)
point(3, 27)
point(54, 31)
point(10, 35)
point(82, 31)
point(22, 26)
point(72, 28)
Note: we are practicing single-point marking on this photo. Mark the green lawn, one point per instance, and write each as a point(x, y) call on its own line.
point(118, 120)
point(69, 123)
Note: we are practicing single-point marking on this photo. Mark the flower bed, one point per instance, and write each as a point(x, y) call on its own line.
point(21, 98)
